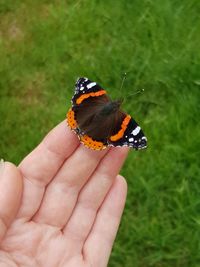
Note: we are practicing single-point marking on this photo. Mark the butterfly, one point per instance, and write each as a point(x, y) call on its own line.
point(99, 121)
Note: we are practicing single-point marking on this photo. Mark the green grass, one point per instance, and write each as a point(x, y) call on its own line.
point(46, 45)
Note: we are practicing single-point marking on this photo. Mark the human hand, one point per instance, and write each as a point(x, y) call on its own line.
point(62, 206)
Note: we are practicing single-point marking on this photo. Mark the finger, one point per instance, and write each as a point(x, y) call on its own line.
point(98, 245)
point(42, 164)
point(61, 194)
point(92, 196)
point(10, 195)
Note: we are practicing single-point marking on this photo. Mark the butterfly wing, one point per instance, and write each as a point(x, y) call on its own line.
point(84, 86)
point(88, 100)
point(85, 89)
point(132, 136)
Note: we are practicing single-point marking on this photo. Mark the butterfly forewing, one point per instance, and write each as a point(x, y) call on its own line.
point(132, 137)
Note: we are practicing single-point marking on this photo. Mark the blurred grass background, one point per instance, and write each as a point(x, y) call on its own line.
point(46, 45)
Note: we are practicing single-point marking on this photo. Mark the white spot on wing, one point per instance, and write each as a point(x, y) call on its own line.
point(136, 130)
point(131, 139)
point(90, 85)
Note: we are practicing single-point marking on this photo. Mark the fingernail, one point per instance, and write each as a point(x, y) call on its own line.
point(1, 166)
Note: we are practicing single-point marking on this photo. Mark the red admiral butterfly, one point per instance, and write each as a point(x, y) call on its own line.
point(99, 122)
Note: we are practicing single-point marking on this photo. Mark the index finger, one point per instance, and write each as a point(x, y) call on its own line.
point(41, 165)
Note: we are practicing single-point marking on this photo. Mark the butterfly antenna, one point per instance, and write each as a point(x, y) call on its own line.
point(137, 92)
point(122, 84)
point(124, 78)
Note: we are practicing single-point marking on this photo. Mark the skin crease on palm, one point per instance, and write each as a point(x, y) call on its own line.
point(62, 206)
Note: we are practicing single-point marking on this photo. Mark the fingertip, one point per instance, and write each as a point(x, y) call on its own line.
point(121, 151)
point(61, 139)
point(122, 183)
point(12, 173)
point(124, 149)
point(119, 190)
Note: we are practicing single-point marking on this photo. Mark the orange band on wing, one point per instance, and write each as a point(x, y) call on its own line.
point(90, 143)
point(71, 119)
point(85, 96)
point(120, 134)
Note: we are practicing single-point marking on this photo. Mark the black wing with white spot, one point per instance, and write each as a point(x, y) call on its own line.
point(84, 86)
point(133, 137)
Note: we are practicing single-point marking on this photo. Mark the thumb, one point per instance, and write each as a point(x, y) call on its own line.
point(10, 195)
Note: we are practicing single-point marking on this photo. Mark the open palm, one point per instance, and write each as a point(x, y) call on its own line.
point(62, 206)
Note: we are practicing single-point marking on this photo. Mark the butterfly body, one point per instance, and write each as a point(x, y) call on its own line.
point(99, 122)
